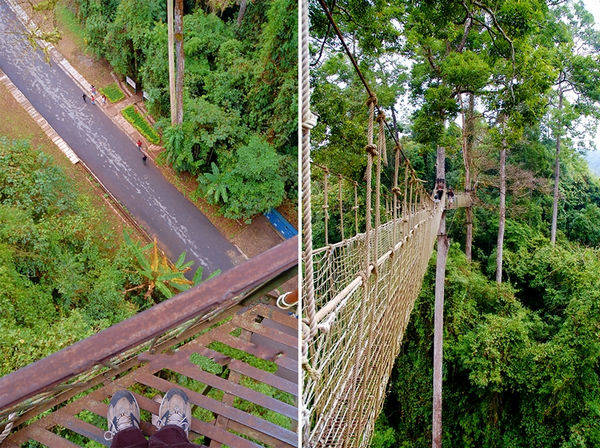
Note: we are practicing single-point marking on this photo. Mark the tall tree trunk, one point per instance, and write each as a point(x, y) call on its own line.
point(469, 131)
point(180, 59)
point(502, 218)
point(240, 17)
point(171, 43)
point(556, 176)
point(438, 332)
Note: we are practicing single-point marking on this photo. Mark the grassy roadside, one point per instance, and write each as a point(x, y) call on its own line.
point(141, 124)
point(18, 124)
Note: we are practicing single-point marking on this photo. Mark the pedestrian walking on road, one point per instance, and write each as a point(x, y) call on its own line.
point(93, 89)
point(103, 100)
point(92, 99)
point(139, 147)
point(84, 96)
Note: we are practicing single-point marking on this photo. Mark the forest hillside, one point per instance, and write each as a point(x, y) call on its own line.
point(65, 271)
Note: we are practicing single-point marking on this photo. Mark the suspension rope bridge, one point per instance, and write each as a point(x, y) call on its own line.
point(358, 293)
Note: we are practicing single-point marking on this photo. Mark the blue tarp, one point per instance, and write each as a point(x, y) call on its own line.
point(281, 224)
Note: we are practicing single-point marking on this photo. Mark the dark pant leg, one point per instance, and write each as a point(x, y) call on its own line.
point(171, 436)
point(129, 438)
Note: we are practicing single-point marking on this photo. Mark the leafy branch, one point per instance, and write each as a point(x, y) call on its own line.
point(158, 273)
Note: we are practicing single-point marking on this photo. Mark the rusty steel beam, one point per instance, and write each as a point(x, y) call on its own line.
point(101, 347)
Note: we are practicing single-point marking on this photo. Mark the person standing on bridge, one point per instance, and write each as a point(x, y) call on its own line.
point(439, 193)
point(450, 196)
point(173, 422)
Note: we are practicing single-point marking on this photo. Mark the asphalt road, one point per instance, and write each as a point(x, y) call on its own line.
point(156, 204)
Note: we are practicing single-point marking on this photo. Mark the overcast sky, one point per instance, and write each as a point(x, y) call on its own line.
point(593, 6)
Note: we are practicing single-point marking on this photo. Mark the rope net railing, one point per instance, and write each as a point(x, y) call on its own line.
point(358, 299)
point(337, 263)
point(361, 282)
point(364, 288)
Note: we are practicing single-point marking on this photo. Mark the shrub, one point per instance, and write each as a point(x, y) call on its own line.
point(62, 271)
point(113, 92)
point(140, 123)
point(254, 182)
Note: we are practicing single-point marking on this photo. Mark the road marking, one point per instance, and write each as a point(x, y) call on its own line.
point(41, 121)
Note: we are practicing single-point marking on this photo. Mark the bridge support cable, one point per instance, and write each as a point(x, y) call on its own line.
point(307, 275)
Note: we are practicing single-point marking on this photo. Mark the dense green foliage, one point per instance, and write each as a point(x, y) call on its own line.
point(140, 123)
point(240, 91)
point(521, 358)
point(62, 274)
point(520, 362)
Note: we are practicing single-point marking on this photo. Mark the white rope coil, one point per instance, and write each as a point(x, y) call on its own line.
point(281, 303)
point(8, 427)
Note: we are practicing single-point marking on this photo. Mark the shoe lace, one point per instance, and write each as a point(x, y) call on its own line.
point(175, 417)
point(122, 421)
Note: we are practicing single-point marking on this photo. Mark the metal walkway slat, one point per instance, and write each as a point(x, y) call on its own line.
point(264, 377)
point(191, 371)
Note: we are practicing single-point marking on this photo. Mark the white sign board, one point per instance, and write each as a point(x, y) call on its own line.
point(131, 82)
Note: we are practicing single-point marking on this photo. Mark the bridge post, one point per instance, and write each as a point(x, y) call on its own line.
point(438, 332)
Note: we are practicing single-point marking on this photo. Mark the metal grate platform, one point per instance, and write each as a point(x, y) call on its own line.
point(262, 336)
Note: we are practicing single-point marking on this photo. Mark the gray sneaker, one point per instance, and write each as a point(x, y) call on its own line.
point(175, 409)
point(123, 413)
